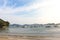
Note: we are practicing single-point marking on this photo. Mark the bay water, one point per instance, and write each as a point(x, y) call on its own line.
point(32, 31)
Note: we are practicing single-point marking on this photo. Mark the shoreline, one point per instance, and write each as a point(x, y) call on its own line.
point(13, 36)
point(20, 37)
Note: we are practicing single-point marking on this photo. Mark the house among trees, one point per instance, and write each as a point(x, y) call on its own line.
point(3, 24)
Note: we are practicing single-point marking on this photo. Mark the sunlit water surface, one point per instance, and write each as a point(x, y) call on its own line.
point(32, 31)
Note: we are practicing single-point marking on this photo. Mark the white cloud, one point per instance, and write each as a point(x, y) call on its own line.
point(6, 13)
point(46, 11)
point(51, 12)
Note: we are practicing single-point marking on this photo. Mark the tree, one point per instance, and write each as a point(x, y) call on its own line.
point(4, 24)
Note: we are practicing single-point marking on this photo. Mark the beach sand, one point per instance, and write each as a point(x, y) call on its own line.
point(14, 37)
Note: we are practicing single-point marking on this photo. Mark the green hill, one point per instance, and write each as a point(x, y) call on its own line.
point(3, 24)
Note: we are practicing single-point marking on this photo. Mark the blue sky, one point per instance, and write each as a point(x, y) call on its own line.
point(18, 3)
point(30, 11)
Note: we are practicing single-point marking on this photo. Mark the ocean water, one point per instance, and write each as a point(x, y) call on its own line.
point(32, 31)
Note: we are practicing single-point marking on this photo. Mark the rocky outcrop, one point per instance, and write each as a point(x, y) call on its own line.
point(3, 24)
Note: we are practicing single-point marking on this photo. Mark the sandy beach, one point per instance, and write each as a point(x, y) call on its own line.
point(14, 37)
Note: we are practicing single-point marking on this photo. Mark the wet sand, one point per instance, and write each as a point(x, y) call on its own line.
point(15, 37)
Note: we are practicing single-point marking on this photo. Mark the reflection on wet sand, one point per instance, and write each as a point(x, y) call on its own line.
point(14, 37)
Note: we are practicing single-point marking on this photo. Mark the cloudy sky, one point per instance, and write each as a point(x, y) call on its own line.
point(30, 11)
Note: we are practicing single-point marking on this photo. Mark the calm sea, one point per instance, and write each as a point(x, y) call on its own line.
point(32, 31)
